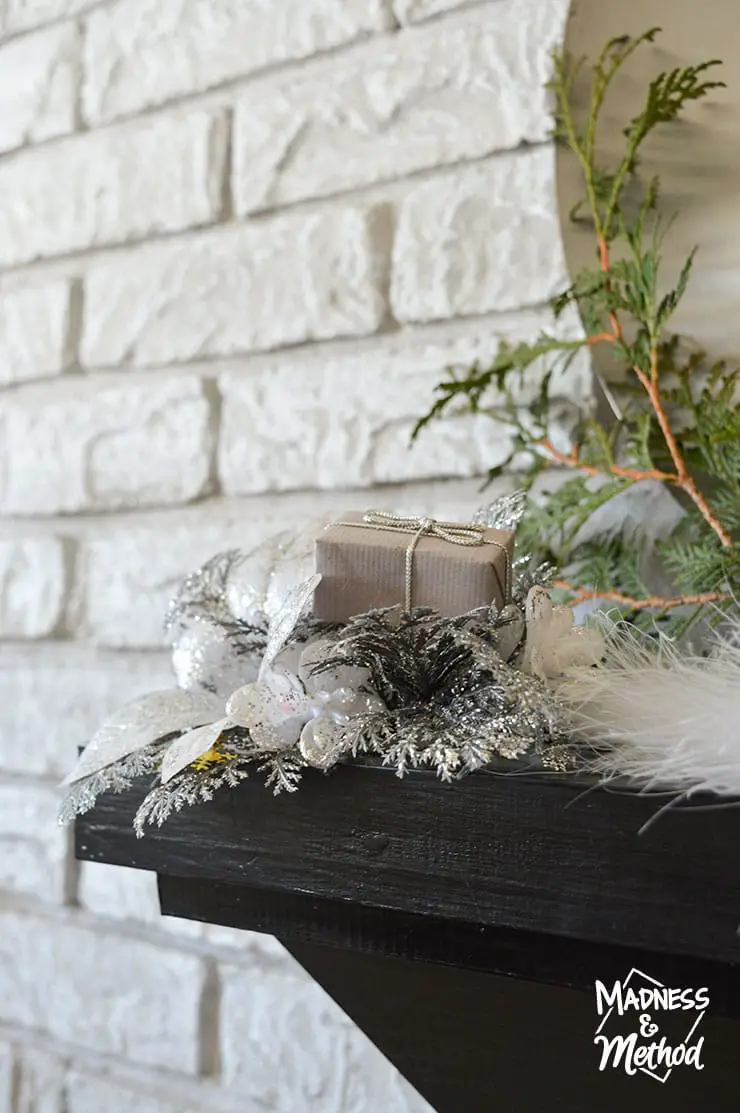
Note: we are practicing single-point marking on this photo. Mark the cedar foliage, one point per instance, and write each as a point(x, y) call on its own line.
point(677, 421)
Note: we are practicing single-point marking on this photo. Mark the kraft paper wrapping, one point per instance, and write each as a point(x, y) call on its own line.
point(363, 569)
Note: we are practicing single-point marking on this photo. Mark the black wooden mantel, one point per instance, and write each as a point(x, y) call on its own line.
point(463, 926)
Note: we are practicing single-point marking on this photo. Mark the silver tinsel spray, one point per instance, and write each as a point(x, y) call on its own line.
point(265, 686)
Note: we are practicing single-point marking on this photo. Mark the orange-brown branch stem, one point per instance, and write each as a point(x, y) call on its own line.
point(655, 602)
point(651, 383)
point(574, 461)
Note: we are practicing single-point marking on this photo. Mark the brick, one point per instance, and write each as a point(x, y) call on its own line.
point(373, 1083)
point(286, 1045)
point(141, 53)
point(104, 444)
point(132, 573)
point(34, 325)
point(129, 895)
point(283, 1041)
point(7, 1066)
point(32, 587)
point(114, 995)
point(35, 847)
point(52, 698)
point(39, 1082)
point(92, 1094)
point(345, 420)
point(427, 98)
point(482, 239)
point(121, 184)
point(38, 87)
point(414, 11)
point(286, 281)
point(132, 570)
point(21, 15)
point(246, 946)
point(117, 893)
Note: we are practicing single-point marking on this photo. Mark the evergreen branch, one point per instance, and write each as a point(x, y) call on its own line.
point(677, 424)
point(683, 479)
point(652, 602)
point(573, 460)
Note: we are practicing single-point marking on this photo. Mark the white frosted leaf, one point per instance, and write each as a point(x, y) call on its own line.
point(189, 747)
point(285, 620)
point(142, 722)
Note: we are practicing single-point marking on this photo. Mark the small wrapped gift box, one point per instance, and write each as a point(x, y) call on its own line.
point(374, 560)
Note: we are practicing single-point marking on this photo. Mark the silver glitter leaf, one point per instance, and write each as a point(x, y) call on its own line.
point(190, 746)
point(505, 512)
point(81, 796)
point(286, 619)
point(142, 722)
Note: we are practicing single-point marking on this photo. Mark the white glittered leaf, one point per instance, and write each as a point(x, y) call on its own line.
point(505, 513)
point(189, 747)
point(285, 620)
point(142, 722)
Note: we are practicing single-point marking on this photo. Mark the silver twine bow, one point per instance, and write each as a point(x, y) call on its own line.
point(420, 527)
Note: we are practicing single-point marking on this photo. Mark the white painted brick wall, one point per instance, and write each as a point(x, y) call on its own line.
point(479, 239)
point(424, 98)
point(117, 995)
point(20, 15)
point(139, 54)
point(125, 183)
point(38, 86)
point(35, 848)
point(298, 278)
point(104, 444)
point(240, 242)
point(32, 587)
point(35, 332)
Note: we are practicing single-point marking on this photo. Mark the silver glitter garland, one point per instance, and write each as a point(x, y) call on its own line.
point(416, 690)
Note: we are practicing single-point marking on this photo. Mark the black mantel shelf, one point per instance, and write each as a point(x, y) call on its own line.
point(463, 926)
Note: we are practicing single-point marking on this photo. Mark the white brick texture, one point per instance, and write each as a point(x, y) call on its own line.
point(276, 1025)
point(90, 1094)
point(20, 15)
point(130, 896)
point(35, 848)
point(119, 996)
point(265, 1020)
point(127, 895)
point(7, 1064)
point(32, 587)
point(149, 177)
point(144, 52)
point(38, 86)
point(292, 280)
point(34, 332)
point(352, 416)
point(39, 1083)
point(480, 239)
point(414, 11)
point(96, 445)
point(426, 99)
point(241, 241)
point(51, 701)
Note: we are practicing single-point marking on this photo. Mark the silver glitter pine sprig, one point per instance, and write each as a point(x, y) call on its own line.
point(234, 759)
point(81, 796)
point(452, 702)
point(192, 786)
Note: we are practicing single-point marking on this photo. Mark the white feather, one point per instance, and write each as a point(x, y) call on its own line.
point(662, 720)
